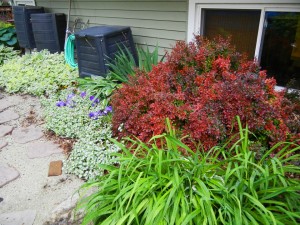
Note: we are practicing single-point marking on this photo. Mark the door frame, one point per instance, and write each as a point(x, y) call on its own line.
point(196, 7)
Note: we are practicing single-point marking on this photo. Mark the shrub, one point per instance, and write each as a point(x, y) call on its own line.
point(77, 115)
point(7, 53)
point(201, 87)
point(37, 73)
point(158, 185)
point(8, 35)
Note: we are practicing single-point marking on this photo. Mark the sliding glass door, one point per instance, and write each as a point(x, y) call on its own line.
point(280, 47)
point(273, 36)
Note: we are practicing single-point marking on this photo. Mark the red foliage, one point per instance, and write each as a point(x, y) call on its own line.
point(201, 88)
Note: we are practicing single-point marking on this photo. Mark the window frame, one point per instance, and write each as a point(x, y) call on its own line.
point(196, 7)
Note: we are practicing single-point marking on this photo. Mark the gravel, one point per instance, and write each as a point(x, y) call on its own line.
point(33, 190)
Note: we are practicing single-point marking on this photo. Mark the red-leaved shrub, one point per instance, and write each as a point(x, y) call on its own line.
point(201, 88)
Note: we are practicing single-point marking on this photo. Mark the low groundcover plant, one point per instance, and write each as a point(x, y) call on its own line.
point(76, 114)
point(37, 73)
point(155, 184)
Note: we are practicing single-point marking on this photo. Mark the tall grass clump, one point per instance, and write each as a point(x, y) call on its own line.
point(165, 182)
point(121, 67)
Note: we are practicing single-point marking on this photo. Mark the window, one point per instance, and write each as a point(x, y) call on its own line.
point(280, 54)
point(240, 25)
point(267, 30)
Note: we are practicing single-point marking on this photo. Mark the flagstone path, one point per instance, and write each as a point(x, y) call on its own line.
point(27, 195)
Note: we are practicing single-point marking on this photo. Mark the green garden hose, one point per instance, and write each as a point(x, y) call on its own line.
point(69, 51)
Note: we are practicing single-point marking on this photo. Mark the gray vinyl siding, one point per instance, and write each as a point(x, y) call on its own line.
point(152, 22)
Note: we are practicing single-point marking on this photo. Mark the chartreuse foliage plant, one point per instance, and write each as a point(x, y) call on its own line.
point(155, 183)
point(201, 87)
point(37, 73)
point(75, 114)
point(7, 53)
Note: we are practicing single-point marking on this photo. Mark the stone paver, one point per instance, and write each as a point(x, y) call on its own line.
point(4, 130)
point(42, 149)
point(7, 174)
point(8, 115)
point(6, 103)
point(18, 218)
point(24, 135)
point(3, 144)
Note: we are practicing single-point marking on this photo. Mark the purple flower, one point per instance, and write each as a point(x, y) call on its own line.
point(92, 97)
point(94, 100)
point(107, 109)
point(92, 114)
point(70, 96)
point(95, 115)
point(83, 94)
point(60, 104)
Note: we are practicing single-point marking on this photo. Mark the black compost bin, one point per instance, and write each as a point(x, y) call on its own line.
point(96, 45)
point(23, 24)
point(49, 31)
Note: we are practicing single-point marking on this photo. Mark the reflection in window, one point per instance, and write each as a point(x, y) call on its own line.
point(281, 47)
point(240, 25)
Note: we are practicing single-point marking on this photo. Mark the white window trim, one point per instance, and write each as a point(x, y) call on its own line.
point(196, 7)
point(24, 2)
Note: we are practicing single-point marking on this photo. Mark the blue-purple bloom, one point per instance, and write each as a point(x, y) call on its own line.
point(70, 96)
point(83, 94)
point(94, 100)
point(60, 103)
point(92, 114)
point(107, 110)
point(95, 115)
point(69, 101)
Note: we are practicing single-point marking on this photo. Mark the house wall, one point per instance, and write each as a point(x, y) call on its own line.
point(152, 22)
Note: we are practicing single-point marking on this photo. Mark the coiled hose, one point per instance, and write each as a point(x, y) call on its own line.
point(69, 51)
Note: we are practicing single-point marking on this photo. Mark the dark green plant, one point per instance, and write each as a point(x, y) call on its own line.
point(99, 87)
point(123, 65)
point(156, 184)
point(8, 36)
point(7, 53)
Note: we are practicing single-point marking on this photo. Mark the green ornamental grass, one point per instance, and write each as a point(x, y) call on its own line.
point(156, 184)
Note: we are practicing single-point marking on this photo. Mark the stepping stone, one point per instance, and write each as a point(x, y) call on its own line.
point(26, 217)
point(4, 130)
point(7, 174)
point(8, 115)
point(24, 135)
point(55, 168)
point(5, 103)
point(42, 149)
point(3, 144)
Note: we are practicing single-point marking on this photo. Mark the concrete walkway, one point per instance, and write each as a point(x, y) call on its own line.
point(27, 195)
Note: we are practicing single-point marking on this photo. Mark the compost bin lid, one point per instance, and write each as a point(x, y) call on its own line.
point(101, 31)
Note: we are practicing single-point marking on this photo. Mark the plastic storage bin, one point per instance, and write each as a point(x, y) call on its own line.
point(49, 31)
point(23, 24)
point(96, 45)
